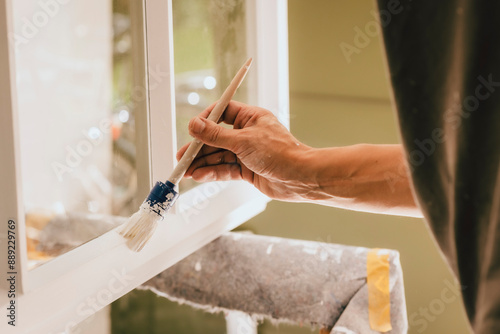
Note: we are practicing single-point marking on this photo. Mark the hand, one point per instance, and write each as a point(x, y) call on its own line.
point(259, 149)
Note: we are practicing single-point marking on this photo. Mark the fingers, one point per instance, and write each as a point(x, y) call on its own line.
point(212, 164)
point(205, 150)
point(230, 113)
point(223, 172)
point(238, 114)
point(213, 134)
point(214, 159)
point(228, 117)
point(207, 111)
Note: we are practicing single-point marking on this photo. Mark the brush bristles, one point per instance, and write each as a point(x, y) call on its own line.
point(140, 227)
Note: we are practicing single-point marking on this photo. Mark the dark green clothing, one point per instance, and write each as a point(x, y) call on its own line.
point(444, 63)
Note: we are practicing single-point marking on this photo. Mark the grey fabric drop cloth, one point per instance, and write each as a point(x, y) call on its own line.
point(301, 282)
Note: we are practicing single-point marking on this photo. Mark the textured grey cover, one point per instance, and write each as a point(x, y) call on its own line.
point(284, 280)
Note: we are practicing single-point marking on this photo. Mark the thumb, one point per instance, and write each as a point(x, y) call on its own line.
point(211, 133)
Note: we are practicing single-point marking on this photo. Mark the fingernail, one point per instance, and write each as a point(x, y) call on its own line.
point(198, 125)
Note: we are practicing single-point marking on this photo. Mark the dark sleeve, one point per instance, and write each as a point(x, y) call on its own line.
point(444, 63)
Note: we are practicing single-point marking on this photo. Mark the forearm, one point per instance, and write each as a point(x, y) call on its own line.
point(370, 178)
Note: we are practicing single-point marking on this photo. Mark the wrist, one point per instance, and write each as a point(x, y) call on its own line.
point(328, 174)
point(310, 173)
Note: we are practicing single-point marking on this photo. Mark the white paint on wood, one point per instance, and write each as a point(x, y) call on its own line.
point(267, 30)
point(160, 63)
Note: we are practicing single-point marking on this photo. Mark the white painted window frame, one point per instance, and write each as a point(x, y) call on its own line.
point(70, 288)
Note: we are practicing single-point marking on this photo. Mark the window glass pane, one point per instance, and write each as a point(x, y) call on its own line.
point(210, 45)
point(75, 79)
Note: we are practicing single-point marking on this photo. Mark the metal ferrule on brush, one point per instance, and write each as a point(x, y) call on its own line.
point(162, 197)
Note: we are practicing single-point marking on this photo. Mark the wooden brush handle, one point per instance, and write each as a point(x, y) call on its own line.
point(214, 116)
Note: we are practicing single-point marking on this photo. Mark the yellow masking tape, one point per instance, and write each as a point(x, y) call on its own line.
point(379, 296)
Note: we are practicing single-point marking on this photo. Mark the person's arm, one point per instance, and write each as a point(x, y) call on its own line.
point(260, 150)
point(363, 177)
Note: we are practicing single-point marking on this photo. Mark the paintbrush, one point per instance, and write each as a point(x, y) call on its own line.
point(143, 223)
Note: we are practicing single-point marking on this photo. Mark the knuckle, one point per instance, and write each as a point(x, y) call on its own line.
point(216, 176)
point(191, 124)
point(235, 172)
point(214, 134)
